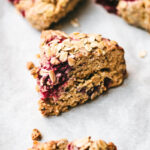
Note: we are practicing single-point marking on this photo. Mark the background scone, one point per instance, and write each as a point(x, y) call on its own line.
point(75, 68)
point(135, 12)
point(42, 13)
point(82, 144)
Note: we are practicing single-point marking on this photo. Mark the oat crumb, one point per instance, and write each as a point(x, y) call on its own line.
point(75, 22)
point(30, 65)
point(143, 53)
point(38, 56)
point(36, 135)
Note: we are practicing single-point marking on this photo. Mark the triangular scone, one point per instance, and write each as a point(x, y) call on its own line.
point(76, 68)
point(42, 13)
point(135, 12)
point(82, 144)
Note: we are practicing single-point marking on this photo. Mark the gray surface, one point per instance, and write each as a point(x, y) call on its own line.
point(122, 115)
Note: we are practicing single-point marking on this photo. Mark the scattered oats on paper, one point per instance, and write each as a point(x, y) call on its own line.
point(36, 135)
point(143, 53)
point(75, 22)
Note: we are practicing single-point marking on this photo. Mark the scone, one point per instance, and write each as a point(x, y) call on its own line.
point(82, 144)
point(135, 12)
point(75, 68)
point(42, 13)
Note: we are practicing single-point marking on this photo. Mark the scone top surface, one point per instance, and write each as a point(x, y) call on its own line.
point(61, 53)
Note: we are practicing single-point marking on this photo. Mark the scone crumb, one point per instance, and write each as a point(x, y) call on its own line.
point(143, 53)
point(36, 135)
point(37, 88)
point(38, 56)
point(75, 22)
point(30, 65)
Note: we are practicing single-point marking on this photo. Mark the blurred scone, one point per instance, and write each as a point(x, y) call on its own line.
point(135, 12)
point(42, 13)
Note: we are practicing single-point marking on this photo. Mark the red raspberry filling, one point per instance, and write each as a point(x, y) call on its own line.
point(110, 5)
point(71, 147)
point(23, 13)
point(48, 89)
point(16, 2)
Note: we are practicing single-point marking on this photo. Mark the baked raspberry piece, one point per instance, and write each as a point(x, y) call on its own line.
point(76, 68)
point(109, 5)
point(42, 13)
point(135, 12)
point(82, 144)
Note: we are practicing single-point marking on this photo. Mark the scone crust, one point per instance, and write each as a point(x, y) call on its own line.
point(42, 13)
point(80, 144)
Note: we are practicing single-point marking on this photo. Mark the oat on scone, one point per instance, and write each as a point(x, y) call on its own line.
point(42, 13)
point(82, 144)
point(109, 5)
point(76, 68)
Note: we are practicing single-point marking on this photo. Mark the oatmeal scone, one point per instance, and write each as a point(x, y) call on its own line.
point(135, 12)
point(75, 68)
point(42, 13)
point(80, 144)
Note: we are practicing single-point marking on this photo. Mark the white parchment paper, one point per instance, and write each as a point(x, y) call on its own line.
point(122, 115)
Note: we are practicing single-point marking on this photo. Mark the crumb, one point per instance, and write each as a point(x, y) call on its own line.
point(38, 56)
point(36, 135)
point(142, 54)
point(75, 22)
point(30, 65)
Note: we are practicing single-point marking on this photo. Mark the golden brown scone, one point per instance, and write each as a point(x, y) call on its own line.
point(76, 68)
point(82, 144)
point(135, 12)
point(42, 13)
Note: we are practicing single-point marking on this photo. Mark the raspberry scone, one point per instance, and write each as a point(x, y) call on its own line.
point(135, 12)
point(82, 144)
point(42, 13)
point(75, 68)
